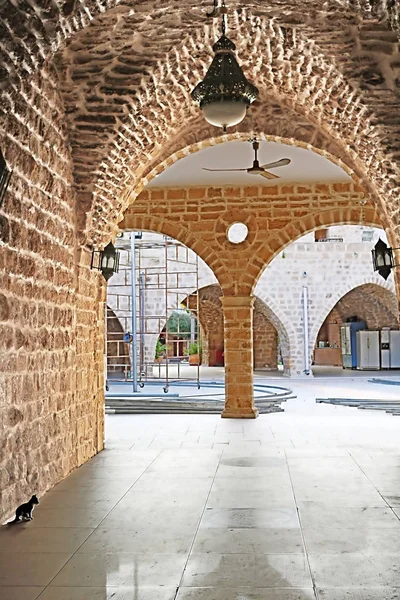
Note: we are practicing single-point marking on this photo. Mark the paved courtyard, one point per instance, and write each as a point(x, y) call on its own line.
point(292, 506)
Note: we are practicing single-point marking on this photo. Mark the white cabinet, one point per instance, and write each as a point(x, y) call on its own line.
point(385, 348)
point(368, 350)
point(395, 349)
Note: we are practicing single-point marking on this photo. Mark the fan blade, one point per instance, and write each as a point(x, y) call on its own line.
point(204, 169)
point(269, 175)
point(279, 163)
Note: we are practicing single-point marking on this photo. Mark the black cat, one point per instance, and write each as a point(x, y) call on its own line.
point(24, 512)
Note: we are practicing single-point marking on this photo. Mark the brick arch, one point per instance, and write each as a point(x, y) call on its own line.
point(158, 224)
point(280, 239)
point(283, 326)
point(290, 70)
point(266, 307)
point(372, 285)
point(297, 71)
point(50, 28)
point(212, 293)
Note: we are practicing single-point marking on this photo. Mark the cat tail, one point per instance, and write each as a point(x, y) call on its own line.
point(16, 520)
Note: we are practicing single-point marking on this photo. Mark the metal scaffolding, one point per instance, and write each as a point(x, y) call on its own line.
point(163, 275)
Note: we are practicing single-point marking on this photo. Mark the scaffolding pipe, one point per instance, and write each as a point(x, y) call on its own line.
point(305, 331)
point(142, 320)
point(133, 304)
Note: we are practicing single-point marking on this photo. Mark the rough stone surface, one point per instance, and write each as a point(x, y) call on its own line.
point(51, 410)
point(275, 216)
point(83, 143)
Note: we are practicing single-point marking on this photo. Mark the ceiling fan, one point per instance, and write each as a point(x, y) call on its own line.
point(258, 169)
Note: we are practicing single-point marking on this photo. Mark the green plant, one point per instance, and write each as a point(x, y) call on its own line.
point(161, 349)
point(194, 348)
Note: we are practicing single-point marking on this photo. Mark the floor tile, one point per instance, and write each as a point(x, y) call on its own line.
point(271, 484)
point(248, 541)
point(168, 485)
point(99, 485)
point(371, 541)
point(250, 499)
point(23, 537)
point(109, 593)
point(317, 516)
point(139, 570)
point(106, 499)
point(142, 517)
point(285, 518)
point(355, 570)
point(262, 462)
point(347, 498)
point(91, 471)
point(392, 500)
point(253, 472)
point(360, 594)
point(20, 593)
point(246, 570)
point(244, 594)
point(149, 540)
point(30, 569)
point(152, 500)
point(76, 517)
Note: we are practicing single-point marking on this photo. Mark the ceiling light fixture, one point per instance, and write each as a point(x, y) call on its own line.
point(224, 95)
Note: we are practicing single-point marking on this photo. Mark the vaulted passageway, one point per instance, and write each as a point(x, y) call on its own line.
point(91, 112)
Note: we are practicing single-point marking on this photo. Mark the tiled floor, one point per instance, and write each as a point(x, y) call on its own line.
point(292, 506)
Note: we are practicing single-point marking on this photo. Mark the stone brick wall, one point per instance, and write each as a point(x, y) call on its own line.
point(51, 390)
point(265, 339)
point(372, 304)
point(275, 216)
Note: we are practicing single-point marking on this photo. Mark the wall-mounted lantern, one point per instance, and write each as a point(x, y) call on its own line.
point(382, 259)
point(5, 175)
point(106, 261)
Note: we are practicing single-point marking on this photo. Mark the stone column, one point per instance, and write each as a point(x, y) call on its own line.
point(238, 353)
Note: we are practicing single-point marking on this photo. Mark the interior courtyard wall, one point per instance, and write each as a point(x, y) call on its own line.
point(29, 37)
point(275, 216)
point(329, 271)
point(51, 313)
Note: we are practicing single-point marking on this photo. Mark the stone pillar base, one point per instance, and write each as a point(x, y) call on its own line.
point(239, 413)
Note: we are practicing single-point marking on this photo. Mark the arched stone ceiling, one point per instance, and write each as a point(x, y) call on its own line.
point(126, 74)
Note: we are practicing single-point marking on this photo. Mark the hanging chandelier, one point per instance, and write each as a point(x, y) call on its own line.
point(224, 95)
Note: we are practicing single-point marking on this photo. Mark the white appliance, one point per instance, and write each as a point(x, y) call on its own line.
point(385, 348)
point(368, 350)
point(394, 349)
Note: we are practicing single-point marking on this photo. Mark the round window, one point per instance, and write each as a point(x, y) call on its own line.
point(237, 233)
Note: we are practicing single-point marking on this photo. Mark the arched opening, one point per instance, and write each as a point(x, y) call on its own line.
point(372, 306)
point(90, 112)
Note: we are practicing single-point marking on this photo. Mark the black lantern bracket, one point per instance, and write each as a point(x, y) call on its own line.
point(382, 259)
point(106, 261)
point(5, 176)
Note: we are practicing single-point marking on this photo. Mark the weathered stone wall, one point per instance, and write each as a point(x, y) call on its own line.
point(265, 340)
point(51, 409)
point(275, 216)
point(370, 303)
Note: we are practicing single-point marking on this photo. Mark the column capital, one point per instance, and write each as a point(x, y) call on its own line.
point(237, 301)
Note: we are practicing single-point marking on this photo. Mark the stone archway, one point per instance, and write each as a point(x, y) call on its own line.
point(369, 300)
point(67, 183)
point(292, 68)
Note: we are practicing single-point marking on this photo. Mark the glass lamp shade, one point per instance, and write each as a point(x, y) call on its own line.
point(224, 113)
point(106, 261)
point(224, 94)
point(382, 259)
point(382, 256)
